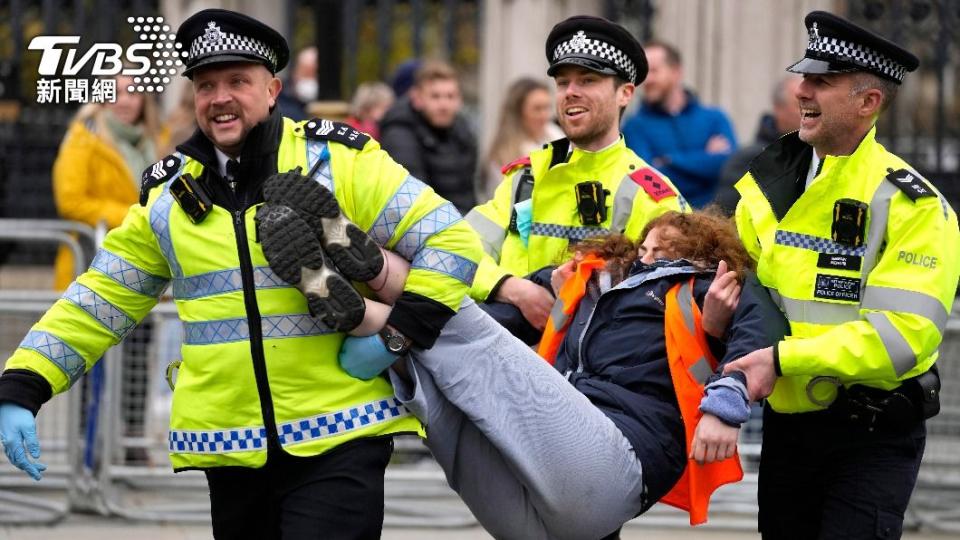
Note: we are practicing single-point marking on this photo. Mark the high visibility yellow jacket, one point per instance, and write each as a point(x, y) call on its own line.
point(866, 307)
point(637, 194)
point(255, 365)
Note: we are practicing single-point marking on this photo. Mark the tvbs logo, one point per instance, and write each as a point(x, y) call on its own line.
point(150, 63)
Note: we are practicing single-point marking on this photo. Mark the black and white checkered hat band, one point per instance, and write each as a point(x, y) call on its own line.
point(579, 45)
point(226, 42)
point(854, 53)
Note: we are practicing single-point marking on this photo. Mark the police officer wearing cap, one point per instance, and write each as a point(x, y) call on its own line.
point(291, 444)
point(588, 183)
point(860, 252)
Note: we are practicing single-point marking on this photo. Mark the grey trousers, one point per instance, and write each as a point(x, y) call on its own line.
point(530, 455)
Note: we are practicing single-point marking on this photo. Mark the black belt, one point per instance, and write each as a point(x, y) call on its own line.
point(898, 410)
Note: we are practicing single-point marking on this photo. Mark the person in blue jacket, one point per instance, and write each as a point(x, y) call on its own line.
point(686, 140)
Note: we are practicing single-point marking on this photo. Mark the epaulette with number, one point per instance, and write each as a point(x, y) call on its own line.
point(654, 184)
point(525, 161)
point(157, 174)
point(328, 130)
point(911, 184)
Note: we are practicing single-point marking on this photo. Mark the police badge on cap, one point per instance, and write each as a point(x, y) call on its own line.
point(217, 35)
point(839, 46)
point(597, 44)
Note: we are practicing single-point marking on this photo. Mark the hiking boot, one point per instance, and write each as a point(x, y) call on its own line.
point(295, 254)
point(354, 253)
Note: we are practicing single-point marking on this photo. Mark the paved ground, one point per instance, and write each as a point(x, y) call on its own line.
point(94, 528)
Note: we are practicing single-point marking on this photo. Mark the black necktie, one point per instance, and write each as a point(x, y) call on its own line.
point(233, 170)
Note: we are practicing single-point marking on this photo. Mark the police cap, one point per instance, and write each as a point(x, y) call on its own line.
point(839, 46)
point(596, 44)
point(217, 35)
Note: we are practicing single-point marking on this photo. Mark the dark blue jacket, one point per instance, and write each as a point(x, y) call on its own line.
point(676, 145)
point(615, 353)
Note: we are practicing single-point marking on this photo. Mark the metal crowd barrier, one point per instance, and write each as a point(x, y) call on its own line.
point(23, 500)
point(130, 475)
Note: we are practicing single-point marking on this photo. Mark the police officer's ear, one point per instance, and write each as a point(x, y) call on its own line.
point(869, 102)
point(274, 86)
point(624, 92)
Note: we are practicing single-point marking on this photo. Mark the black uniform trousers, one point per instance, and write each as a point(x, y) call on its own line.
point(821, 478)
point(337, 495)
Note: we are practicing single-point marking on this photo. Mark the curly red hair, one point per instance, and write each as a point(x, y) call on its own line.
point(705, 238)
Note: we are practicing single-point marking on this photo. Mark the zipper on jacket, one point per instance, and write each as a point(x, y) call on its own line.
point(256, 329)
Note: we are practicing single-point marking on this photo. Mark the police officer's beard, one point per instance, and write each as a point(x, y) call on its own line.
point(585, 135)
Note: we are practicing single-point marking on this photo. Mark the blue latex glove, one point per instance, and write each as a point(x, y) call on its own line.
point(524, 220)
point(365, 357)
point(18, 429)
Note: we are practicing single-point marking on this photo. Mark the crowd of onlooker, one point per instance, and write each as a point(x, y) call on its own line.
point(418, 119)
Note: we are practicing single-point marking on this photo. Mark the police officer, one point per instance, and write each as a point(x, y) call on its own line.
point(292, 445)
point(860, 252)
point(586, 184)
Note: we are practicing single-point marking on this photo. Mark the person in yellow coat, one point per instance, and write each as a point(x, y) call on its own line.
point(586, 184)
point(96, 176)
point(861, 254)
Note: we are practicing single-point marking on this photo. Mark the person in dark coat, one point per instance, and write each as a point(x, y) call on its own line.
point(784, 117)
point(426, 133)
point(524, 443)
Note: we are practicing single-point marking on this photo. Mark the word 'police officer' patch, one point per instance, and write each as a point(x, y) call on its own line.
point(328, 130)
point(837, 288)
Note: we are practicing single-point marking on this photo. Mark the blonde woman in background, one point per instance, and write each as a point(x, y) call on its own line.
point(370, 102)
point(96, 176)
point(526, 122)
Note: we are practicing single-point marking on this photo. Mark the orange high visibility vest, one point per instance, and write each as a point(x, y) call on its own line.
point(690, 365)
point(563, 309)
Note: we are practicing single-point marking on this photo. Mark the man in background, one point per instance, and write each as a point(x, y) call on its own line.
point(687, 141)
point(426, 133)
point(783, 118)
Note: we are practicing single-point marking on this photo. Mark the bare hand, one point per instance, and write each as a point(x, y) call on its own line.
point(718, 144)
point(758, 368)
point(713, 440)
point(721, 301)
point(533, 300)
point(561, 274)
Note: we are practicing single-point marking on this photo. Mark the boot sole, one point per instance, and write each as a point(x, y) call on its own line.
point(296, 255)
point(354, 253)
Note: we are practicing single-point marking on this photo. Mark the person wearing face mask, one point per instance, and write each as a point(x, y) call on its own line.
point(526, 124)
point(426, 133)
point(291, 445)
point(585, 184)
point(303, 88)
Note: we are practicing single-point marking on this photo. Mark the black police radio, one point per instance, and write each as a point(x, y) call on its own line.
point(591, 202)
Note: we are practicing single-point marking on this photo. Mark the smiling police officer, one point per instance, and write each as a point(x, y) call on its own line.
point(586, 184)
point(292, 445)
point(830, 216)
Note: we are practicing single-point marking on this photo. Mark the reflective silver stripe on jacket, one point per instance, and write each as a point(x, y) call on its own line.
point(491, 234)
point(903, 301)
point(623, 204)
point(901, 355)
point(108, 315)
